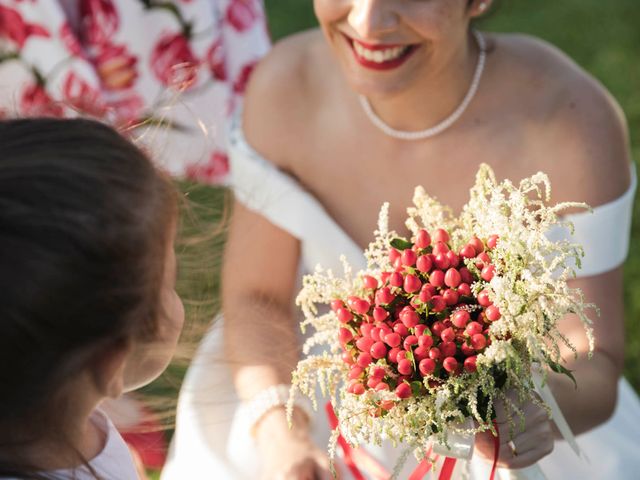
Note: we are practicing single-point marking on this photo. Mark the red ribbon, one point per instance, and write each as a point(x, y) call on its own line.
point(359, 456)
point(496, 451)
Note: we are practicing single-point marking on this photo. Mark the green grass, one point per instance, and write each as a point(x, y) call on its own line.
point(603, 37)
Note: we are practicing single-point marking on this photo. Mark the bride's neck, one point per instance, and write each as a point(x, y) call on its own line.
point(433, 97)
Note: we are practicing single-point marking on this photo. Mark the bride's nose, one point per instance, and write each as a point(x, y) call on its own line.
point(371, 18)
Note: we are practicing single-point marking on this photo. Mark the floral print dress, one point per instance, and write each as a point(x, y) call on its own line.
point(170, 73)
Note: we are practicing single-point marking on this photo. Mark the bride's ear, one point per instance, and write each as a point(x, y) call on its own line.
point(479, 7)
point(108, 365)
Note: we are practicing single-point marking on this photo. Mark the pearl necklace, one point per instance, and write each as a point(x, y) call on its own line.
point(447, 122)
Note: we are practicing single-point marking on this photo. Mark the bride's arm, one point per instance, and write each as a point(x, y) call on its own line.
point(261, 338)
point(594, 399)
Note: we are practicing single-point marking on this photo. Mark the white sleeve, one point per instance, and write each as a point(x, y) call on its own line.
point(603, 233)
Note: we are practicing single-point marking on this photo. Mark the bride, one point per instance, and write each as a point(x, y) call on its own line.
point(389, 94)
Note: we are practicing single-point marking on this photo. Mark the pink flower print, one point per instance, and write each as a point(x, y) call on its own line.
point(116, 67)
point(173, 62)
point(99, 20)
point(70, 41)
point(241, 81)
point(36, 102)
point(81, 96)
point(212, 171)
point(242, 14)
point(217, 60)
point(13, 26)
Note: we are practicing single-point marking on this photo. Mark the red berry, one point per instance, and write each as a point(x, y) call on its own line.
point(373, 382)
point(370, 282)
point(482, 259)
point(460, 318)
point(442, 261)
point(451, 297)
point(384, 296)
point(409, 317)
point(380, 314)
point(420, 352)
point(355, 372)
point(364, 359)
point(347, 358)
point(438, 304)
point(448, 349)
point(403, 391)
point(488, 272)
point(450, 364)
point(344, 315)
point(405, 367)
point(448, 335)
point(437, 328)
point(392, 356)
point(464, 290)
point(492, 241)
point(377, 372)
point(392, 339)
point(409, 257)
point(452, 278)
point(467, 252)
point(470, 364)
point(400, 329)
point(393, 255)
point(436, 278)
point(396, 279)
point(492, 313)
point(467, 350)
point(426, 366)
point(382, 386)
point(361, 306)
point(440, 235)
point(336, 304)
point(402, 355)
point(345, 335)
point(440, 248)
point(412, 284)
point(478, 341)
point(358, 389)
point(409, 342)
point(366, 329)
point(419, 330)
point(473, 328)
point(364, 344)
point(425, 295)
point(466, 275)
point(483, 298)
point(424, 264)
point(454, 260)
point(477, 244)
point(425, 341)
point(423, 239)
point(378, 350)
point(434, 353)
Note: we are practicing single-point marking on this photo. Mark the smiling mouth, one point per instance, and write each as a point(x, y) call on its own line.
point(380, 57)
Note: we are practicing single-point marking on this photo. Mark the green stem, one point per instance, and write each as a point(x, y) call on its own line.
point(187, 27)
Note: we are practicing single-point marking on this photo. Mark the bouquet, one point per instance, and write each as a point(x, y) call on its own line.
point(421, 345)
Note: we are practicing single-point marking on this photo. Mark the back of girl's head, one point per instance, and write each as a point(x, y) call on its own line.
point(85, 221)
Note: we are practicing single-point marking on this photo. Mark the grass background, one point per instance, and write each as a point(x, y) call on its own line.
point(603, 37)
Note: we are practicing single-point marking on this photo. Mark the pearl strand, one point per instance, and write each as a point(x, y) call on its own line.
point(447, 122)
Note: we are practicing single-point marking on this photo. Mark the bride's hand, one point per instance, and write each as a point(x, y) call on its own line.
point(526, 446)
point(289, 454)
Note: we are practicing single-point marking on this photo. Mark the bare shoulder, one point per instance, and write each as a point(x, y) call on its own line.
point(279, 97)
point(580, 130)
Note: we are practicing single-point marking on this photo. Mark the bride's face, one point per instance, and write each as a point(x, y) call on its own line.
point(385, 46)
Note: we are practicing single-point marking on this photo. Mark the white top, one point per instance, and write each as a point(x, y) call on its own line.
point(114, 462)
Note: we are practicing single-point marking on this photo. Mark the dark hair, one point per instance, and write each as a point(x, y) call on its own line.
point(84, 227)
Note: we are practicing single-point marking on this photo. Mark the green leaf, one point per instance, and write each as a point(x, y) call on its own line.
point(556, 367)
point(401, 244)
point(416, 388)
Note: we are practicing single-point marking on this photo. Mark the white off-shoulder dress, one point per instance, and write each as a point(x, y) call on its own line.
point(211, 440)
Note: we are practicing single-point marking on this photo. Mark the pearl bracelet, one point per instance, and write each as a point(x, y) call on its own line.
point(272, 397)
